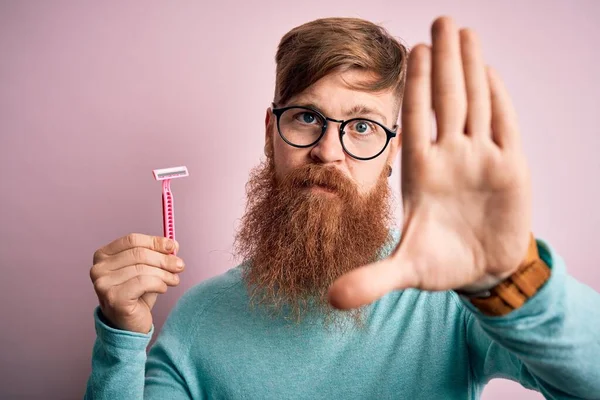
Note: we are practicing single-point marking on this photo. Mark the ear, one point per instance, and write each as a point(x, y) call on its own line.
point(395, 145)
point(268, 132)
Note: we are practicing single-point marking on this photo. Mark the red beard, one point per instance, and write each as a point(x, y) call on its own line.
point(295, 241)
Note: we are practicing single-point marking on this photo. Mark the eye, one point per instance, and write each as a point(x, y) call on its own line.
point(362, 127)
point(306, 117)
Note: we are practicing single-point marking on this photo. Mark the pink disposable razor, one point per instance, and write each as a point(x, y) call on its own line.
point(165, 175)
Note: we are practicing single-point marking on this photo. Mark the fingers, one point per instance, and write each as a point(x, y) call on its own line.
point(128, 284)
point(369, 283)
point(140, 255)
point(156, 243)
point(467, 97)
point(129, 273)
point(136, 257)
point(476, 82)
point(107, 283)
point(416, 104)
point(449, 97)
point(505, 131)
point(124, 274)
point(133, 289)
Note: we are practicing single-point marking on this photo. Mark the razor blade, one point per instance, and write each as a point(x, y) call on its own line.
point(170, 173)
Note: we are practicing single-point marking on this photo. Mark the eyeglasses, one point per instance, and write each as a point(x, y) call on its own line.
point(361, 138)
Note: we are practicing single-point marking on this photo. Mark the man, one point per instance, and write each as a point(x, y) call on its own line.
point(329, 301)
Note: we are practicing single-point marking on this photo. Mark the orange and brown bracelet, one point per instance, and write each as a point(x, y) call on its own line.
point(514, 291)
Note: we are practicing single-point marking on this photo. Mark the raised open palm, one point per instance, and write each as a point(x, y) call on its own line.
point(466, 193)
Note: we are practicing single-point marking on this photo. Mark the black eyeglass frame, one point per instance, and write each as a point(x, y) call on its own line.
point(390, 133)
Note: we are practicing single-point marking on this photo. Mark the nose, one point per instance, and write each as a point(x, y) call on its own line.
point(329, 149)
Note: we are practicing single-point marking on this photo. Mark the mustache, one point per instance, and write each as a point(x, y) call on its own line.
point(329, 178)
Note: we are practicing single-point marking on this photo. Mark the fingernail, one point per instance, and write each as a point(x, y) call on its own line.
point(169, 245)
point(179, 263)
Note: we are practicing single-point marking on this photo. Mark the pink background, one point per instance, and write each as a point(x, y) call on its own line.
point(94, 95)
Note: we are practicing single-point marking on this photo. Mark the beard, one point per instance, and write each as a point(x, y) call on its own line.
point(302, 232)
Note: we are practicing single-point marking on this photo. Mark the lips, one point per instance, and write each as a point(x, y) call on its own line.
point(324, 184)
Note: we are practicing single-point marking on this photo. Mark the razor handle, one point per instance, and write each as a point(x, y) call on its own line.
point(168, 217)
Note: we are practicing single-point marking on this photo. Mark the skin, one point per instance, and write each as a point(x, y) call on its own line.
point(333, 98)
point(129, 273)
point(467, 192)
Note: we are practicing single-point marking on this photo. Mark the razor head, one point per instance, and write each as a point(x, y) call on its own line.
point(170, 173)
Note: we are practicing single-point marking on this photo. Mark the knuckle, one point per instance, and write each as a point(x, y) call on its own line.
point(139, 255)
point(100, 286)
point(97, 256)
point(167, 261)
point(95, 272)
point(132, 239)
point(140, 280)
point(448, 90)
point(111, 298)
point(169, 277)
point(140, 269)
point(163, 275)
point(157, 243)
point(163, 287)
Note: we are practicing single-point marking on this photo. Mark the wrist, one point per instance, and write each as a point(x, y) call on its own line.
point(117, 338)
point(480, 288)
point(513, 292)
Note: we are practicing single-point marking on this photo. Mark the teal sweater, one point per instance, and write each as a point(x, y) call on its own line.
point(415, 345)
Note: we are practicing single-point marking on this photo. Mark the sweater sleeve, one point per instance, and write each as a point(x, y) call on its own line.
point(551, 344)
point(119, 364)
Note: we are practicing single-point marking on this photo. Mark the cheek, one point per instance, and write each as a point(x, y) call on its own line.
point(287, 158)
point(367, 174)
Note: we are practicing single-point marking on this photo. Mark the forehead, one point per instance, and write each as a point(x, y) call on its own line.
point(335, 96)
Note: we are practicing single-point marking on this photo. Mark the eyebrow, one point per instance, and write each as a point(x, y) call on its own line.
point(356, 111)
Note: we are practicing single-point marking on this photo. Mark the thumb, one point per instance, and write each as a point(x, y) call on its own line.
point(150, 299)
point(370, 282)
